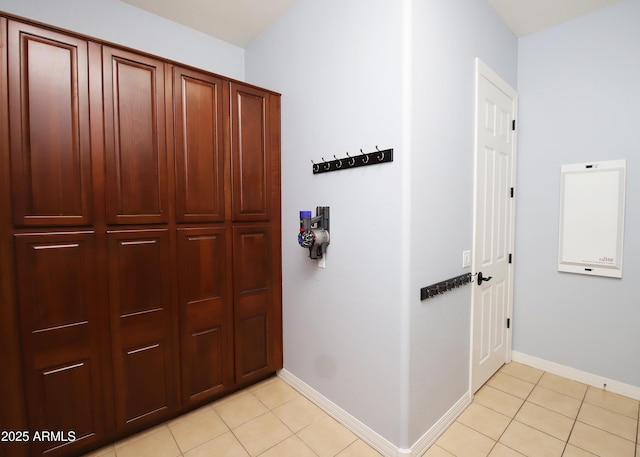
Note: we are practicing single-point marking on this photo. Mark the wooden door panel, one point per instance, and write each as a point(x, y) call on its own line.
point(205, 312)
point(65, 302)
point(200, 147)
point(145, 375)
point(253, 255)
point(135, 138)
point(204, 373)
point(59, 311)
point(140, 284)
point(253, 350)
point(141, 325)
point(250, 157)
point(68, 402)
point(49, 111)
point(13, 415)
point(255, 329)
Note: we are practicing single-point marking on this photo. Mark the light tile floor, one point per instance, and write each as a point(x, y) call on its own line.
point(521, 411)
point(269, 419)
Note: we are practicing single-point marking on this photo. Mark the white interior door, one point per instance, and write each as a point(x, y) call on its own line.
point(492, 299)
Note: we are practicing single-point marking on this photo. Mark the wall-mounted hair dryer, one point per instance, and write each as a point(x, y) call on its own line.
point(314, 231)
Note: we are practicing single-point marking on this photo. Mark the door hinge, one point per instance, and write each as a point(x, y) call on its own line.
point(513, 124)
point(508, 322)
point(510, 258)
point(511, 192)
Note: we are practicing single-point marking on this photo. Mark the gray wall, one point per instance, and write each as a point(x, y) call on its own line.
point(447, 37)
point(339, 67)
point(579, 86)
point(395, 74)
point(123, 24)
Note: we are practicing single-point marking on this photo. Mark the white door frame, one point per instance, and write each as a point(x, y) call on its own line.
point(483, 71)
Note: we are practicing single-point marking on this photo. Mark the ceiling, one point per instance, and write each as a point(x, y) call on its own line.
point(234, 21)
point(529, 16)
point(240, 21)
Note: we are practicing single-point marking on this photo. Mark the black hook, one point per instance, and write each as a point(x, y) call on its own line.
point(366, 157)
point(352, 161)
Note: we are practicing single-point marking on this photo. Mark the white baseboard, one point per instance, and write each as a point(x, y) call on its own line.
point(365, 433)
point(432, 435)
point(581, 376)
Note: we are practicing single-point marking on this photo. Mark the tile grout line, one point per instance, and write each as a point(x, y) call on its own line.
point(575, 421)
point(240, 442)
point(174, 440)
point(293, 433)
point(516, 413)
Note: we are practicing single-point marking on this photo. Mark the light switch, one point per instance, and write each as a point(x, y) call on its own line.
point(466, 259)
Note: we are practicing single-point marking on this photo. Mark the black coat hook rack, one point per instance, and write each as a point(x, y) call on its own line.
point(444, 286)
point(353, 161)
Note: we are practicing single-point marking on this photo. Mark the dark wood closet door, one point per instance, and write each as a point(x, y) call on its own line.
point(141, 329)
point(206, 313)
point(58, 305)
point(49, 117)
point(135, 138)
point(250, 154)
point(255, 322)
point(200, 102)
point(140, 276)
point(12, 395)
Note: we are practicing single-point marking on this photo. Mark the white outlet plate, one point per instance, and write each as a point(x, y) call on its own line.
point(466, 259)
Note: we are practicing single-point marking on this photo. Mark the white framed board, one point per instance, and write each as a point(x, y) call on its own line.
point(592, 197)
